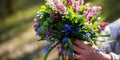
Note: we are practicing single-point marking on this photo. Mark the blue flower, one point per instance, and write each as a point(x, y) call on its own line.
point(104, 49)
point(65, 39)
point(70, 53)
point(54, 40)
point(38, 31)
point(78, 28)
point(67, 52)
point(86, 36)
point(46, 48)
point(63, 51)
point(51, 40)
point(67, 27)
point(47, 37)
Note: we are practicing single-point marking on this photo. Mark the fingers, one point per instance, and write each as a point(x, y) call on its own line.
point(80, 44)
point(77, 49)
point(76, 56)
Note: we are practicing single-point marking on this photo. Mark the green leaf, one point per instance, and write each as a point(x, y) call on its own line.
point(68, 51)
point(43, 29)
point(66, 45)
point(98, 23)
point(76, 21)
point(82, 8)
point(50, 20)
point(101, 35)
point(70, 10)
point(92, 41)
point(45, 23)
point(46, 55)
point(95, 18)
point(88, 28)
point(62, 56)
point(82, 19)
point(71, 44)
point(73, 15)
point(42, 37)
point(50, 37)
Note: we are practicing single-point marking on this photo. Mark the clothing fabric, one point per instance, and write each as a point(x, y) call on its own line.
point(113, 42)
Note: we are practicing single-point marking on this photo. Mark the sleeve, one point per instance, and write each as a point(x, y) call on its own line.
point(119, 56)
point(114, 30)
point(114, 56)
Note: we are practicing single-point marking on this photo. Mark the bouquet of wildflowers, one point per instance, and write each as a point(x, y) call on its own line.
point(63, 21)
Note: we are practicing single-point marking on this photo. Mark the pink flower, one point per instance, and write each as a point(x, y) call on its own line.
point(81, 2)
point(76, 5)
point(91, 11)
point(103, 25)
point(36, 23)
point(69, 2)
point(60, 7)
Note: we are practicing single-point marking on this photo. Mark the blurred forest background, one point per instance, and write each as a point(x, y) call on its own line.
point(17, 38)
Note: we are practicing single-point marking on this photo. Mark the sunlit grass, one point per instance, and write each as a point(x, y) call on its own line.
point(17, 38)
point(21, 15)
point(18, 22)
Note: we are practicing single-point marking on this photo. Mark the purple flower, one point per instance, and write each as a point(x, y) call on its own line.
point(36, 26)
point(65, 39)
point(60, 7)
point(46, 48)
point(49, 32)
point(58, 47)
point(36, 23)
point(55, 16)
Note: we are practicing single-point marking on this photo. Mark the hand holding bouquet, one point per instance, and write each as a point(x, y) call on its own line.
point(64, 21)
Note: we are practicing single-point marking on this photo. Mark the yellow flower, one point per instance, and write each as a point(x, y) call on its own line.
point(42, 9)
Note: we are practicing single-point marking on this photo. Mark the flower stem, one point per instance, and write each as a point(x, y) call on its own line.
point(46, 55)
